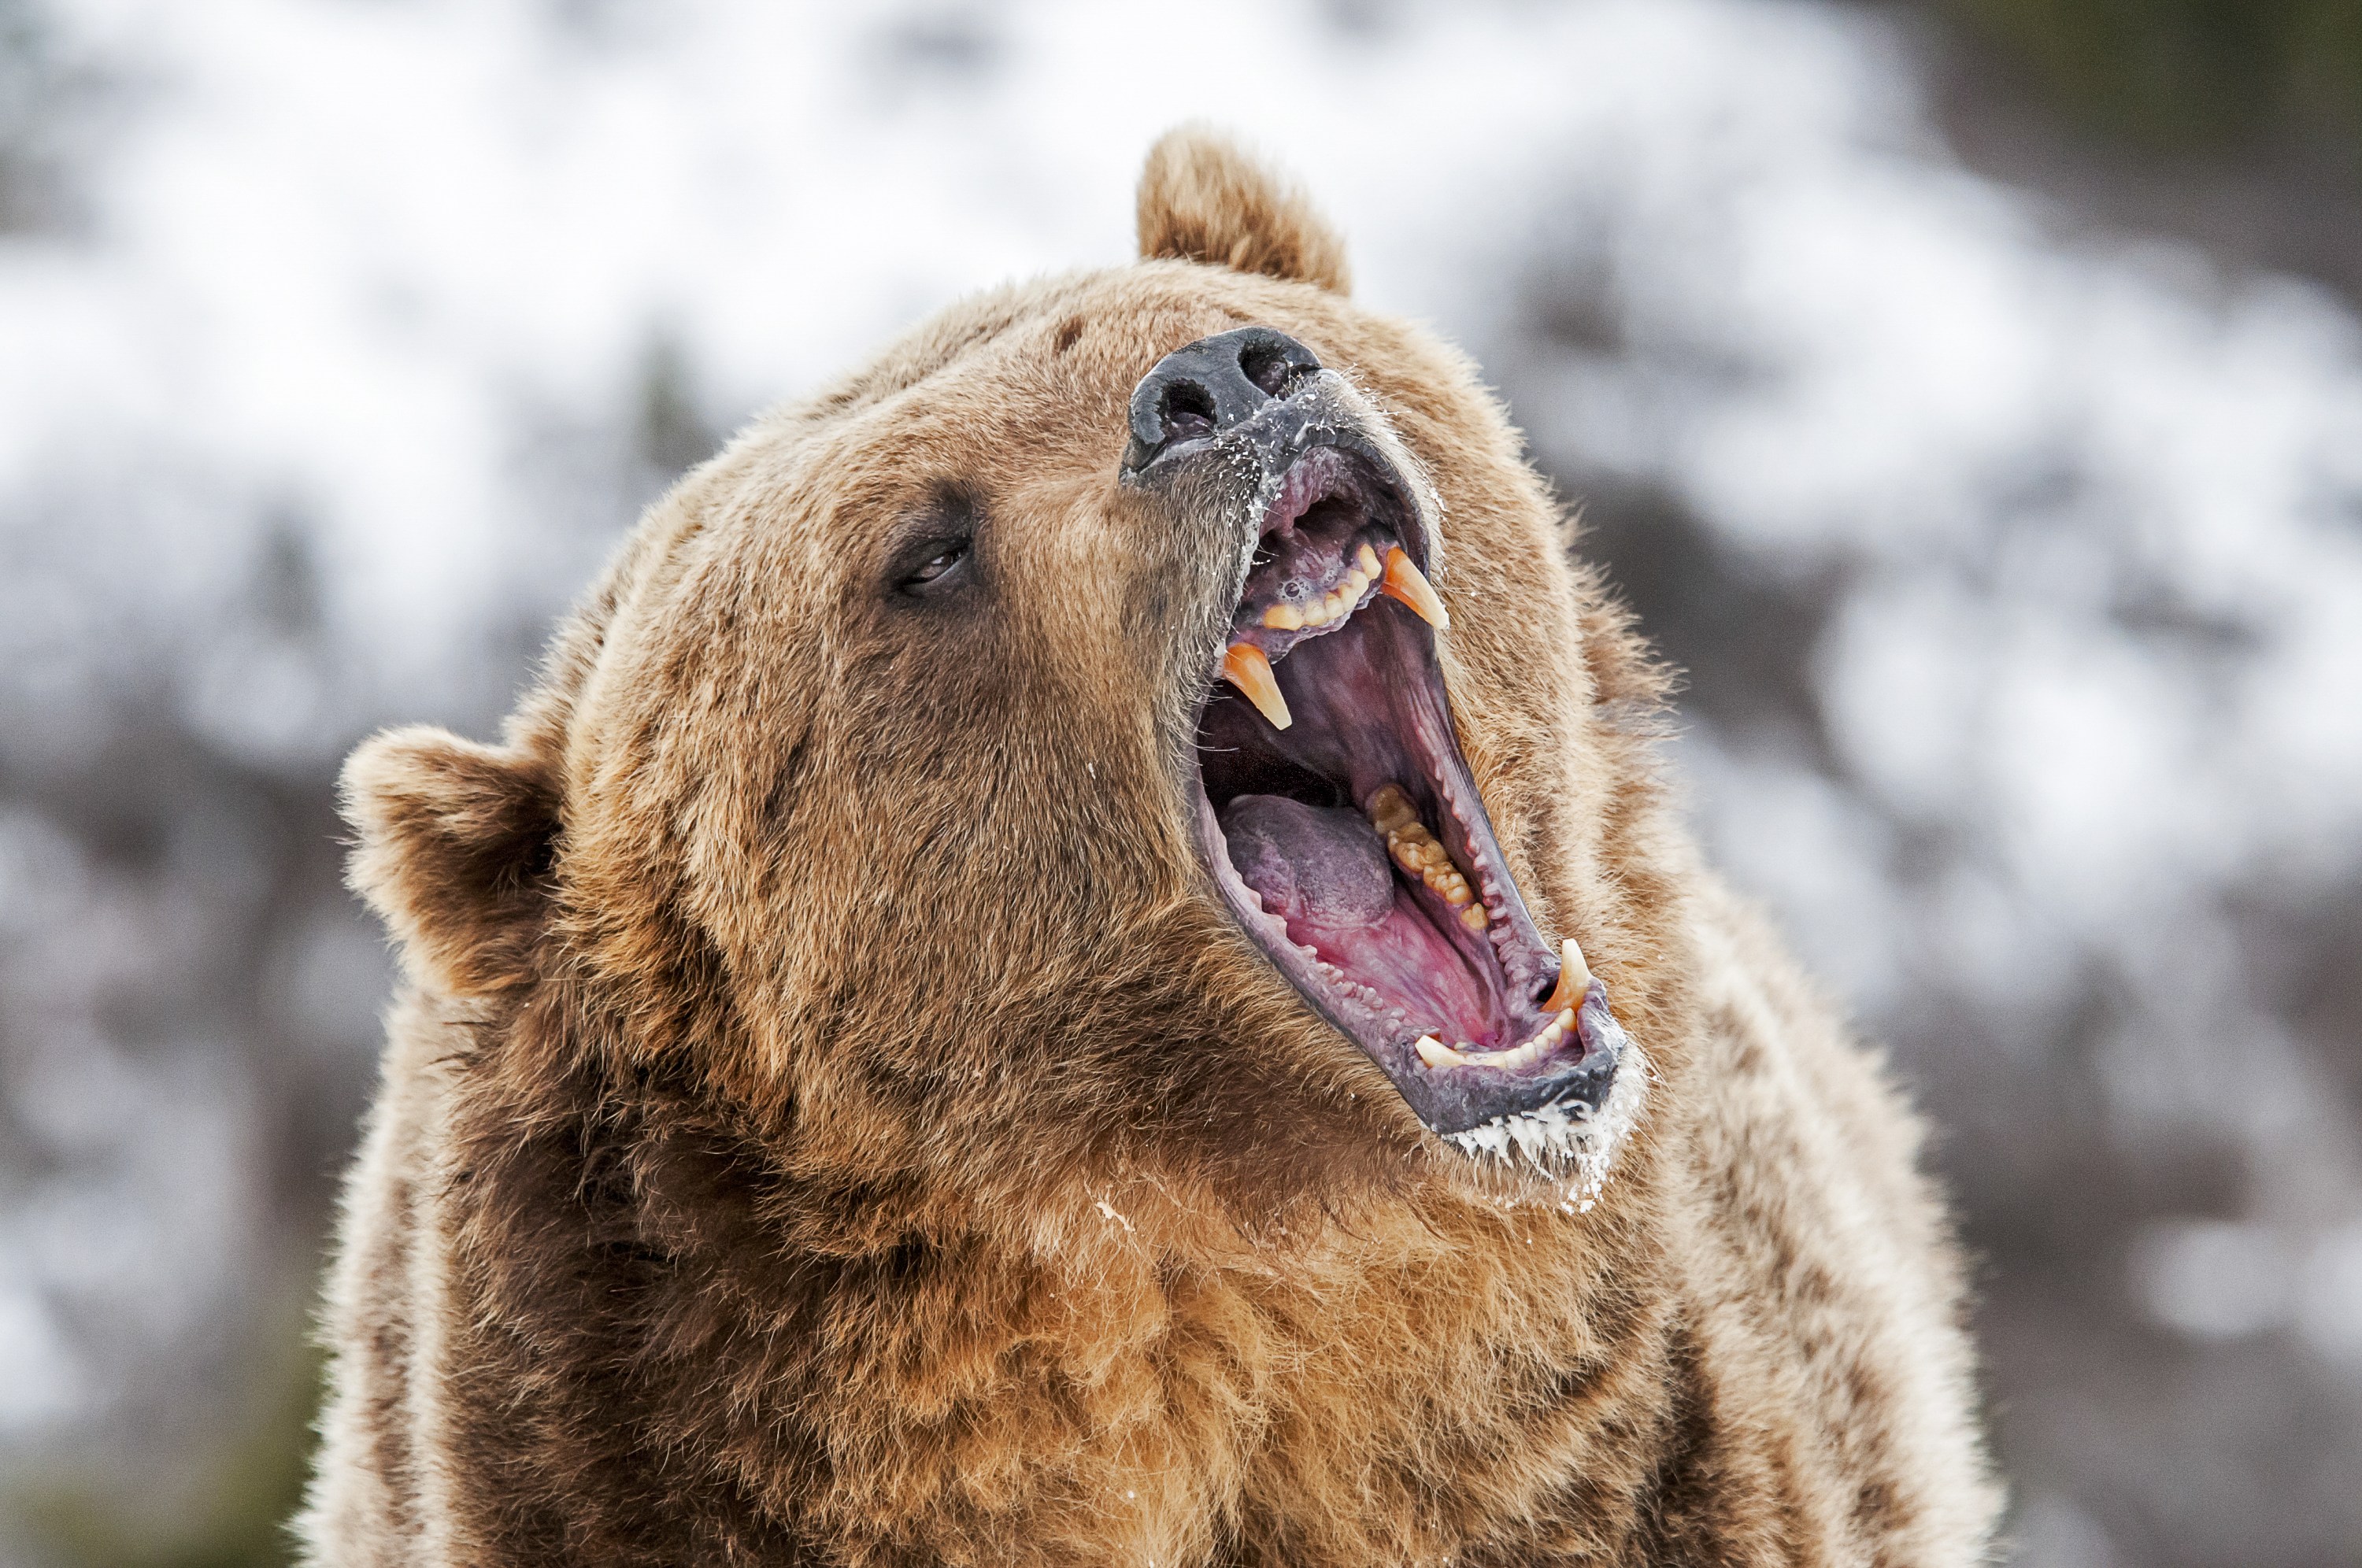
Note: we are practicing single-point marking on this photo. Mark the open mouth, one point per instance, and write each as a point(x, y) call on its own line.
point(1340, 823)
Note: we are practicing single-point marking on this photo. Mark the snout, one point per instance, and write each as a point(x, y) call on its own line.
point(1209, 388)
point(1339, 822)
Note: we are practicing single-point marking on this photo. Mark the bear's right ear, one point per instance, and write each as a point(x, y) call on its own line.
point(1203, 199)
point(455, 849)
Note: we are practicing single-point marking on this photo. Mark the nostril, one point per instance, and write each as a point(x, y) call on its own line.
point(1270, 369)
point(1188, 410)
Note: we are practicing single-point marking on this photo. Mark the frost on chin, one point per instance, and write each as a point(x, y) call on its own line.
point(1571, 1143)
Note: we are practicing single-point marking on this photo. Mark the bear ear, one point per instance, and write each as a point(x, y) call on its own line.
point(456, 842)
point(1204, 199)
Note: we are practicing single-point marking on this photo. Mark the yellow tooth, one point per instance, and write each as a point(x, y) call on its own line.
point(1406, 582)
point(1574, 979)
point(1390, 808)
point(1357, 583)
point(1248, 668)
point(1456, 891)
point(1367, 559)
point(1475, 917)
point(1284, 618)
point(1436, 1053)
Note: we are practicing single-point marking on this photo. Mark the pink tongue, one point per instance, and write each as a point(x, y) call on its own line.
point(1325, 869)
point(1326, 873)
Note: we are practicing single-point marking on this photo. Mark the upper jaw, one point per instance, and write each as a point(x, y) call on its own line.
point(1539, 1066)
point(1241, 472)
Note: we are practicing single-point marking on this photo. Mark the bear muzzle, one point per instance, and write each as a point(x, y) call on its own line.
point(1333, 810)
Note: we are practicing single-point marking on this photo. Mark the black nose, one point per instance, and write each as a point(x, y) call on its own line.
point(1204, 388)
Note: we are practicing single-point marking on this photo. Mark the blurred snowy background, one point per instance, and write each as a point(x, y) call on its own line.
point(1970, 396)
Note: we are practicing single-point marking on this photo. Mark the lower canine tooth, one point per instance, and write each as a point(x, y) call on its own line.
point(1574, 979)
point(1248, 668)
point(1436, 1053)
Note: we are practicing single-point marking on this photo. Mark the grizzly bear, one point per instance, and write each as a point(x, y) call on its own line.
point(1080, 956)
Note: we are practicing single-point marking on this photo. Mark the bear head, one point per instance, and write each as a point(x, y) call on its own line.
point(1145, 729)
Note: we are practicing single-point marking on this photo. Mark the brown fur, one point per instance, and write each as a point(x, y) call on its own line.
point(1201, 201)
point(830, 1118)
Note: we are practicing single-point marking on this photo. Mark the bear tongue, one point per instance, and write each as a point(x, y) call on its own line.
point(1327, 875)
point(1320, 869)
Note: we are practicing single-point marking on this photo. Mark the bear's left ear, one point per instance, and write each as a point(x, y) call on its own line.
point(456, 845)
point(1203, 199)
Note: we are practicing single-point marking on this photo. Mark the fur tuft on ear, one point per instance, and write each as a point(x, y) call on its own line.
point(455, 849)
point(1202, 198)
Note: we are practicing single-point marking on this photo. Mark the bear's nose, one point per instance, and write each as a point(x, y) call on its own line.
point(1204, 388)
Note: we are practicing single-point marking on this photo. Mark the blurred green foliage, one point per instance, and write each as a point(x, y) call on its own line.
point(2191, 76)
point(237, 1519)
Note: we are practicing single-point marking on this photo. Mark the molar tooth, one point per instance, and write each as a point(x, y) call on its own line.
point(1474, 917)
point(1456, 893)
point(1436, 1053)
point(1390, 809)
point(1284, 618)
point(1248, 668)
point(1574, 979)
point(1406, 582)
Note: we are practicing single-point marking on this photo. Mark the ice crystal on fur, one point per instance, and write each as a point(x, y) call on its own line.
point(1571, 1138)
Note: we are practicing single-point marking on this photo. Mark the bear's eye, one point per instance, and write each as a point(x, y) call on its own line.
point(936, 567)
point(937, 550)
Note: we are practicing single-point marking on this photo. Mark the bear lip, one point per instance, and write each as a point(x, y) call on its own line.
point(1372, 937)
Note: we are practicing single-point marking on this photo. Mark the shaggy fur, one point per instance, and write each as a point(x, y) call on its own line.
point(829, 1118)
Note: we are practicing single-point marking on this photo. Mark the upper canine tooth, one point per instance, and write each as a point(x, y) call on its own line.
point(1436, 1053)
point(1284, 618)
point(1248, 668)
point(1574, 979)
point(1406, 582)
